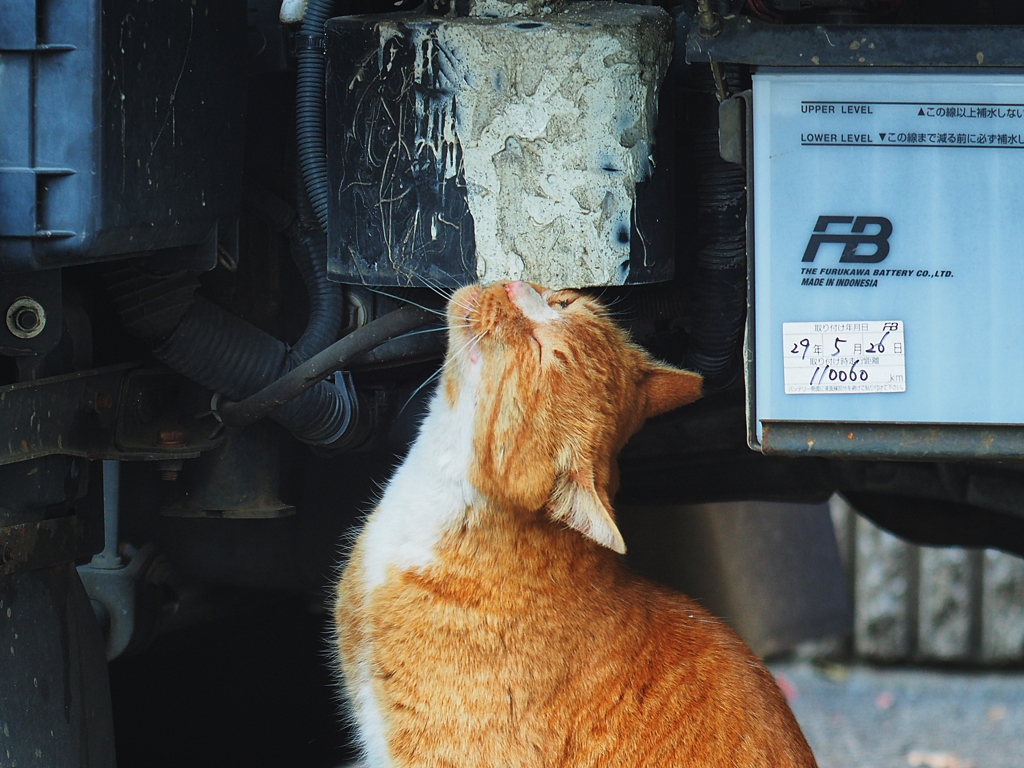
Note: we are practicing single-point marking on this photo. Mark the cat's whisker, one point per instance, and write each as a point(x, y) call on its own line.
point(613, 302)
point(432, 377)
point(447, 295)
point(461, 305)
point(437, 329)
point(438, 312)
point(468, 343)
point(608, 305)
point(438, 289)
point(624, 314)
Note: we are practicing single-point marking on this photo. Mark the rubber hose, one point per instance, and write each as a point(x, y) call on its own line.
point(309, 252)
point(326, 300)
point(226, 354)
point(720, 274)
point(309, 108)
point(383, 331)
point(150, 304)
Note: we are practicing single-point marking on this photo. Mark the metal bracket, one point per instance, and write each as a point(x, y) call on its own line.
point(34, 546)
point(114, 590)
point(107, 413)
point(743, 40)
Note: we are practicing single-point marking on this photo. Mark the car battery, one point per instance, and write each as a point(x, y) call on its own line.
point(886, 312)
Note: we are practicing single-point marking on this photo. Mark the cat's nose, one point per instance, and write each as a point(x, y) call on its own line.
point(525, 297)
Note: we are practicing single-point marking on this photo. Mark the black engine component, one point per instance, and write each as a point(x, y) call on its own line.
point(228, 355)
point(399, 211)
point(309, 105)
point(719, 288)
point(121, 129)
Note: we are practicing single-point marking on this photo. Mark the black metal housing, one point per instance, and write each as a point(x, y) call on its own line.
point(744, 40)
point(385, 186)
point(121, 129)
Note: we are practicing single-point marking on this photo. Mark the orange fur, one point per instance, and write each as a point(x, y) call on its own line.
point(522, 642)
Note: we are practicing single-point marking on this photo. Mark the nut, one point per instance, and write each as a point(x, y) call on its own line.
point(26, 318)
point(171, 438)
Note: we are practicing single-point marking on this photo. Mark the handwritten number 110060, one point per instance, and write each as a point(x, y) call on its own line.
point(840, 374)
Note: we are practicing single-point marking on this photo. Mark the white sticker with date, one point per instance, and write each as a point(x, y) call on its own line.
point(832, 358)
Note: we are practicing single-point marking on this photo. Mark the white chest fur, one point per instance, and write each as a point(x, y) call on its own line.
point(428, 494)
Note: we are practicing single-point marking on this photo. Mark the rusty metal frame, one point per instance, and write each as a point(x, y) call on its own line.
point(98, 414)
point(33, 546)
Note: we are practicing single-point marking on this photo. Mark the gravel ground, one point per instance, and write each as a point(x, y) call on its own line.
point(877, 717)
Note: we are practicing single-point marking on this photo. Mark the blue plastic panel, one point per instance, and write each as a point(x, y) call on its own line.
point(839, 158)
point(121, 127)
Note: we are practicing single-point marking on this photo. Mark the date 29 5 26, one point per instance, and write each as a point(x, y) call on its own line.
point(840, 364)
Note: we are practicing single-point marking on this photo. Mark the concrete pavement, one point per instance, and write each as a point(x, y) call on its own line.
point(888, 717)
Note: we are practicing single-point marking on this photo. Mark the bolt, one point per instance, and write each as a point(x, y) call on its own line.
point(710, 26)
point(169, 470)
point(171, 438)
point(8, 554)
point(98, 402)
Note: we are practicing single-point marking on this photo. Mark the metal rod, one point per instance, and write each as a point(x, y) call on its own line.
point(340, 354)
point(109, 558)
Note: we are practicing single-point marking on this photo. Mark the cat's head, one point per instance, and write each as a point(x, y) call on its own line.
point(559, 389)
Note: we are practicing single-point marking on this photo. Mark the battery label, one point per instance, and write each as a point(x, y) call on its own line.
point(883, 195)
point(846, 357)
point(899, 124)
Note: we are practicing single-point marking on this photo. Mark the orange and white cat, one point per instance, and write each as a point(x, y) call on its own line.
point(486, 618)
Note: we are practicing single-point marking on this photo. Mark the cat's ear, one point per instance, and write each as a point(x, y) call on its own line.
point(667, 388)
point(576, 502)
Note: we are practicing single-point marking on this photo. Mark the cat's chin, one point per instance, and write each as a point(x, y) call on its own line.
point(461, 307)
point(463, 303)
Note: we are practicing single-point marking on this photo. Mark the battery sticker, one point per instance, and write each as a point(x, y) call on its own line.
point(848, 357)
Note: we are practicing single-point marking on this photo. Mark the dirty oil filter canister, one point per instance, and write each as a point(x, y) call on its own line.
point(471, 148)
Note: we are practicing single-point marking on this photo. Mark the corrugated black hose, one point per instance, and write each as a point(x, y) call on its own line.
point(309, 105)
point(362, 345)
point(720, 275)
point(226, 354)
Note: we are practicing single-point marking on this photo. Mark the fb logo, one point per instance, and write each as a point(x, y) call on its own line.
point(851, 240)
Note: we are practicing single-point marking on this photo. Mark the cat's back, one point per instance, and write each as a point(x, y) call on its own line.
point(553, 655)
point(650, 678)
point(687, 691)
